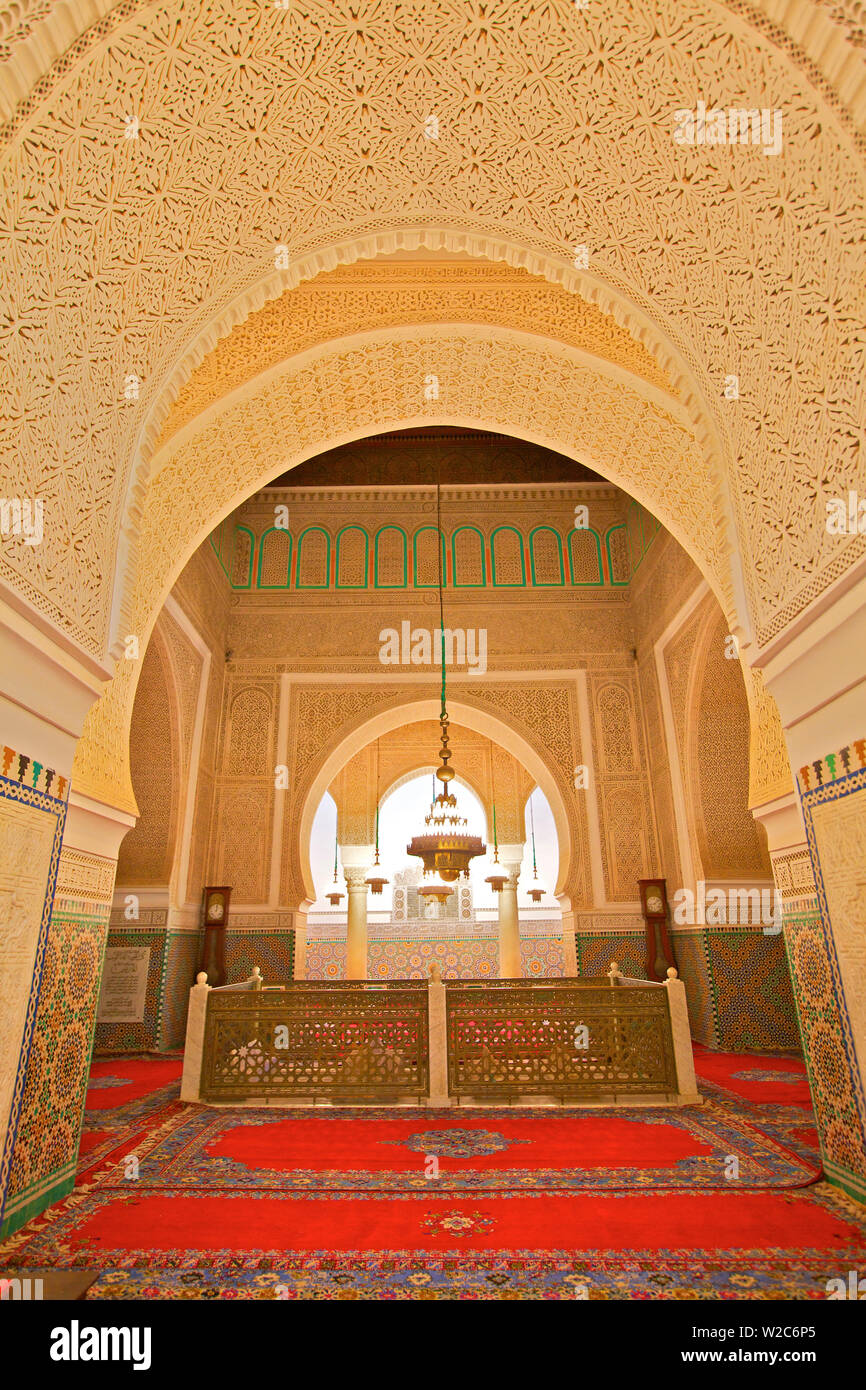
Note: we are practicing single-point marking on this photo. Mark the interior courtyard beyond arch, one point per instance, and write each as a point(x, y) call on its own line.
point(394, 394)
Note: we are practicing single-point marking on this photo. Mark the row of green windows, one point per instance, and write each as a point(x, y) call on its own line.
point(468, 558)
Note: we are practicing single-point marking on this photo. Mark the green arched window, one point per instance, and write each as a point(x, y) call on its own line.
point(425, 560)
point(507, 560)
point(313, 565)
point(584, 558)
point(468, 562)
point(275, 559)
point(618, 564)
point(353, 554)
point(390, 558)
point(545, 557)
point(243, 548)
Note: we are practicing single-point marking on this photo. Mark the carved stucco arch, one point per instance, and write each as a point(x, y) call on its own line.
point(471, 714)
point(511, 383)
point(395, 764)
point(688, 400)
point(164, 671)
point(707, 618)
point(413, 768)
point(428, 769)
point(767, 760)
point(824, 39)
point(462, 777)
point(702, 247)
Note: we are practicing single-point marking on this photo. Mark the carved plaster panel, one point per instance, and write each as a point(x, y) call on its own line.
point(203, 260)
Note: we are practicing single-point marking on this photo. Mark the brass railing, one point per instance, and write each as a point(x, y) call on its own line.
point(509, 1039)
point(353, 1042)
point(484, 1041)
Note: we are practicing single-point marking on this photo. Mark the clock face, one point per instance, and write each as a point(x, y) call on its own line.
point(654, 903)
point(215, 910)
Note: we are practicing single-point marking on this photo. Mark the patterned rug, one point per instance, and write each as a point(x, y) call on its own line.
point(413, 1150)
point(119, 1084)
point(712, 1202)
point(762, 1080)
point(124, 1099)
point(770, 1092)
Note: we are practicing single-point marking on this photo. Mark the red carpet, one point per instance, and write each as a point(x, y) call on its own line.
point(767, 1080)
point(138, 1077)
point(585, 1141)
point(91, 1140)
point(585, 1222)
point(386, 1151)
point(535, 1204)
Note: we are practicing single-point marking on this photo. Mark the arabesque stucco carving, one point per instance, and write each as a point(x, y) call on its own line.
point(263, 127)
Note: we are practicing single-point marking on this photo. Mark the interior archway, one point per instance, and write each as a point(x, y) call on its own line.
point(554, 398)
point(471, 716)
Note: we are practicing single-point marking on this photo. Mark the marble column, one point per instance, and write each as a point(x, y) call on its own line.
point(510, 963)
point(300, 927)
point(569, 937)
point(356, 928)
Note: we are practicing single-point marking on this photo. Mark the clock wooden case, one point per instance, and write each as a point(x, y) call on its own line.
point(654, 906)
point(215, 915)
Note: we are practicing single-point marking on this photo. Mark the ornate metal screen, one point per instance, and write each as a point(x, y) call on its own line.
point(353, 1042)
point(560, 1038)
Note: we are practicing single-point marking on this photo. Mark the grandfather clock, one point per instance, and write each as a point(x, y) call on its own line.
point(654, 906)
point(215, 914)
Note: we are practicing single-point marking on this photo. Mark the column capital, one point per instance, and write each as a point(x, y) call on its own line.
point(357, 856)
point(356, 877)
point(511, 861)
point(511, 854)
point(95, 826)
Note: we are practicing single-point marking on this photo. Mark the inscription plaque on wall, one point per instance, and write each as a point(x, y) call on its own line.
point(124, 985)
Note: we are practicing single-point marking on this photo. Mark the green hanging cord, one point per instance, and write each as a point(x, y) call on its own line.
point(376, 860)
point(532, 826)
point(336, 842)
point(444, 711)
point(441, 547)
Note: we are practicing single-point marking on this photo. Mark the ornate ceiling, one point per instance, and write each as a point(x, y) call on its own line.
point(261, 127)
point(825, 37)
point(354, 298)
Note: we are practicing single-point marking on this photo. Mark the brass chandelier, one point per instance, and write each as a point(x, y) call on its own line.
point(445, 847)
point(376, 882)
point(536, 892)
